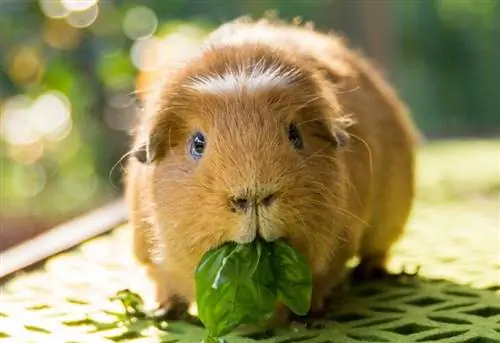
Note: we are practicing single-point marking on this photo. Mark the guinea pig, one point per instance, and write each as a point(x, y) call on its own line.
point(272, 130)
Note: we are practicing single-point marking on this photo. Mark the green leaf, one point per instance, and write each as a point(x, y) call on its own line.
point(240, 264)
point(235, 285)
point(293, 277)
point(210, 339)
point(240, 284)
point(132, 302)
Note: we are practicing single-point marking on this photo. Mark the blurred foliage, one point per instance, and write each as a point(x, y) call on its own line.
point(448, 65)
point(69, 69)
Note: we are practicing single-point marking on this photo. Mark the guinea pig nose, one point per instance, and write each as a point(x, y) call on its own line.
point(245, 202)
point(240, 203)
point(269, 199)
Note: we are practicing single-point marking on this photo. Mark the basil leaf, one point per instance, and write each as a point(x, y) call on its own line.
point(235, 285)
point(240, 264)
point(293, 277)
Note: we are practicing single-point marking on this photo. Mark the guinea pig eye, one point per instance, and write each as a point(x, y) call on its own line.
point(294, 137)
point(197, 145)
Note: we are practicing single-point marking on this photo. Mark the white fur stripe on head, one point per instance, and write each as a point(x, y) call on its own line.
point(257, 78)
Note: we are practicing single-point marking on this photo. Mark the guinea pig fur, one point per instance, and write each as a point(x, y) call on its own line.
point(272, 130)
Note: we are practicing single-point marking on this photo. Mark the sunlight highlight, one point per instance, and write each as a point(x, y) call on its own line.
point(78, 5)
point(155, 53)
point(53, 8)
point(24, 122)
point(51, 116)
point(15, 121)
point(28, 181)
point(147, 54)
point(140, 22)
point(85, 18)
point(26, 65)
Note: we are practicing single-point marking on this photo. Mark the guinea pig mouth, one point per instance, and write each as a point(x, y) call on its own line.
point(258, 236)
point(255, 226)
point(269, 232)
point(250, 233)
point(269, 237)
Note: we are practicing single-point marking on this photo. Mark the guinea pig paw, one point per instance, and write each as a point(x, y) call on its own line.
point(281, 317)
point(368, 271)
point(172, 308)
point(317, 323)
point(318, 308)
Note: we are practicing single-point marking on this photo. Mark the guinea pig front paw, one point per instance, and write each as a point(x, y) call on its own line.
point(318, 307)
point(369, 271)
point(172, 308)
point(169, 304)
point(281, 317)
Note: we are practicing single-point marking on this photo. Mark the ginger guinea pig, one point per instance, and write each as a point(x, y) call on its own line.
point(272, 130)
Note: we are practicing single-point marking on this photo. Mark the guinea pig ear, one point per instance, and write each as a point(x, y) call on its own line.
point(146, 153)
point(142, 154)
point(332, 132)
point(341, 138)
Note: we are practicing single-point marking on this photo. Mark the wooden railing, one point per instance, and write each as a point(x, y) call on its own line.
point(61, 238)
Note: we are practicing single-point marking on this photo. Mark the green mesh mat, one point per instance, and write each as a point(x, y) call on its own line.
point(453, 236)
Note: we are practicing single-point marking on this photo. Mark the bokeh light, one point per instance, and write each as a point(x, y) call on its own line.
point(120, 119)
point(181, 44)
point(147, 54)
point(28, 153)
point(15, 121)
point(51, 115)
point(153, 54)
point(25, 122)
point(84, 18)
point(53, 8)
point(59, 34)
point(139, 22)
point(109, 23)
point(25, 66)
point(28, 181)
point(79, 187)
point(78, 5)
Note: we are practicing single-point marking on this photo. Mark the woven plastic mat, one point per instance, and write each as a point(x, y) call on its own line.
point(454, 298)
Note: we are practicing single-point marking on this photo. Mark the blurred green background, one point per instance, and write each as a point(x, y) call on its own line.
point(68, 69)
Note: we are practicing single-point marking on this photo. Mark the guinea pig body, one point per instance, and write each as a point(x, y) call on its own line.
point(277, 131)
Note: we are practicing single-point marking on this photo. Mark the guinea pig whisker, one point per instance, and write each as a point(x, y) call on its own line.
point(304, 227)
point(349, 90)
point(301, 164)
point(170, 145)
point(332, 158)
point(338, 209)
point(313, 120)
point(368, 150)
point(120, 160)
point(353, 189)
point(344, 211)
point(308, 102)
point(324, 190)
point(331, 195)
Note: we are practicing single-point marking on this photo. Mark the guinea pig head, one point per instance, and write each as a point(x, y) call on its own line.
point(237, 153)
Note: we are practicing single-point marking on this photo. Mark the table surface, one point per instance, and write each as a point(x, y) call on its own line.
point(455, 298)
